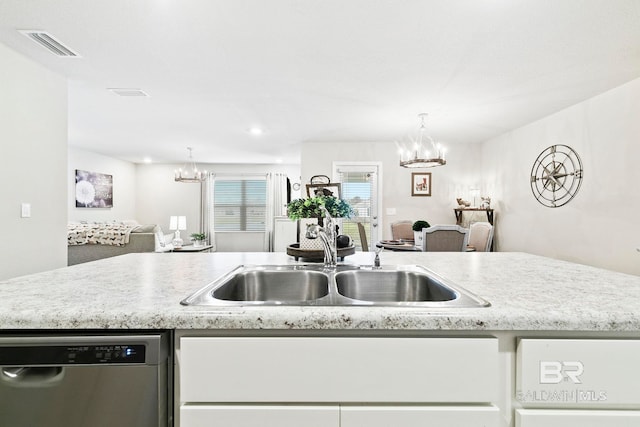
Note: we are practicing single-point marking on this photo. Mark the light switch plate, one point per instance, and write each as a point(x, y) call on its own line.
point(25, 210)
point(391, 211)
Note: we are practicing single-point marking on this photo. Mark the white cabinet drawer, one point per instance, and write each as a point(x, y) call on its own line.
point(576, 418)
point(578, 373)
point(259, 416)
point(302, 369)
point(417, 416)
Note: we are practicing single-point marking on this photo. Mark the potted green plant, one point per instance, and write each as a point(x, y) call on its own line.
point(198, 239)
point(417, 231)
point(310, 208)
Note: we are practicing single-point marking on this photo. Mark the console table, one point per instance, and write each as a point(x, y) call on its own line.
point(458, 212)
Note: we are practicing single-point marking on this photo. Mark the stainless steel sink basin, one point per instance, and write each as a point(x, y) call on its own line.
point(392, 286)
point(278, 286)
point(265, 285)
point(348, 285)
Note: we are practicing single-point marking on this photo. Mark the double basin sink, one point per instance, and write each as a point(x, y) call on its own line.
point(347, 285)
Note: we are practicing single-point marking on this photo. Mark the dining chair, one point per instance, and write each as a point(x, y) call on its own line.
point(402, 230)
point(363, 237)
point(480, 237)
point(444, 238)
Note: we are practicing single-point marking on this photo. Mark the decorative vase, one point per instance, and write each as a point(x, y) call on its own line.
point(417, 238)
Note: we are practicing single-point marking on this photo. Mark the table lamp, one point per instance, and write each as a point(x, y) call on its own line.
point(177, 223)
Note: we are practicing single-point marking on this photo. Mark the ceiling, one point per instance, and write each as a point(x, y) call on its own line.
point(319, 70)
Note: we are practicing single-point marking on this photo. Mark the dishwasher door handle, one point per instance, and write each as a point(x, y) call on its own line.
point(28, 376)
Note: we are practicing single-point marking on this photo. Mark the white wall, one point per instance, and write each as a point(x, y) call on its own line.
point(600, 225)
point(450, 181)
point(159, 197)
point(33, 148)
point(124, 186)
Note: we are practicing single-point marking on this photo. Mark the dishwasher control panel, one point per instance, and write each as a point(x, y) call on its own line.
point(84, 354)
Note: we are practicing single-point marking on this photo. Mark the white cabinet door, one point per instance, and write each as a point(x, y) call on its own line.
point(578, 372)
point(285, 232)
point(416, 416)
point(576, 418)
point(320, 369)
point(259, 416)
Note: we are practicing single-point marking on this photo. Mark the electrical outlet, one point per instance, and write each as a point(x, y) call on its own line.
point(25, 210)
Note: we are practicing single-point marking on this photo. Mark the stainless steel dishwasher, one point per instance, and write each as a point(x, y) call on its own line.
point(85, 380)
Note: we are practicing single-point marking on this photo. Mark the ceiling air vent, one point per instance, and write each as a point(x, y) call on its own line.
point(128, 91)
point(50, 43)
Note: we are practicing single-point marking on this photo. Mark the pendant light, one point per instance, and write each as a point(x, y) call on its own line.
point(423, 152)
point(189, 173)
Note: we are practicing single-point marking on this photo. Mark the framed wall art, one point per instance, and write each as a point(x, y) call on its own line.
point(421, 183)
point(331, 189)
point(93, 190)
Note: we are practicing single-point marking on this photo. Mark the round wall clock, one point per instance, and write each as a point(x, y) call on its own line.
point(556, 176)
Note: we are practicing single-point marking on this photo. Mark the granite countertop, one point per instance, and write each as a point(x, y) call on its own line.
point(143, 291)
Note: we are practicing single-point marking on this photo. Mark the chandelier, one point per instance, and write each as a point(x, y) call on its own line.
point(423, 152)
point(190, 172)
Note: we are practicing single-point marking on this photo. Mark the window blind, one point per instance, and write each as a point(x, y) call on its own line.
point(357, 188)
point(239, 204)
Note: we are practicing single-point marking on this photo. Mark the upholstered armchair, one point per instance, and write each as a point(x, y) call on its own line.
point(480, 237)
point(402, 230)
point(444, 238)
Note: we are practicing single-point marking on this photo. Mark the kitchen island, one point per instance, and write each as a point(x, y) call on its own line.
point(143, 291)
point(557, 344)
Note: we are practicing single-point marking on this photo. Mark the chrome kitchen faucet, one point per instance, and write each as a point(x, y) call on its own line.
point(328, 236)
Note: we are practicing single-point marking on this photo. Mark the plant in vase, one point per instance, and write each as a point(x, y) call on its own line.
point(198, 239)
point(417, 231)
point(300, 209)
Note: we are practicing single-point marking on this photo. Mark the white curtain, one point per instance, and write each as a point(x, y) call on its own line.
point(206, 201)
point(276, 204)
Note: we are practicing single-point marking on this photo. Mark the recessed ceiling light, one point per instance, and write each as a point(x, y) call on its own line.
point(147, 160)
point(256, 131)
point(127, 91)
